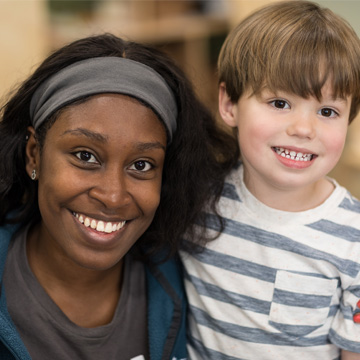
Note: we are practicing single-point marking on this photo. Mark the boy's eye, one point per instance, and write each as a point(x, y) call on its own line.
point(141, 166)
point(86, 156)
point(280, 104)
point(327, 112)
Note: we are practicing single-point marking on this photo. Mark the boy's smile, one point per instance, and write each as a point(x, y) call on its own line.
point(293, 154)
point(293, 157)
point(287, 143)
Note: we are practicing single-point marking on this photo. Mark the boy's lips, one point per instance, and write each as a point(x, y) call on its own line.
point(294, 155)
point(99, 225)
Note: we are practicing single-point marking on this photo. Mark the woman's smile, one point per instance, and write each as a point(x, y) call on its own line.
point(100, 177)
point(100, 225)
point(99, 234)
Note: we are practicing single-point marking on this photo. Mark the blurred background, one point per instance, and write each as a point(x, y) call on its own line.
point(191, 32)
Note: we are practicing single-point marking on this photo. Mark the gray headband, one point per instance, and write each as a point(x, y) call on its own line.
point(104, 75)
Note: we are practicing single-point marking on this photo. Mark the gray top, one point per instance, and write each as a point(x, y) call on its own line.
point(49, 334)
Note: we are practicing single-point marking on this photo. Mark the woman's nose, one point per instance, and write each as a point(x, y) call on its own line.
point(303, 126)
point(112, 189)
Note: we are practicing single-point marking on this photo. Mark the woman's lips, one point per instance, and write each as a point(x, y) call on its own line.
point(99, 225)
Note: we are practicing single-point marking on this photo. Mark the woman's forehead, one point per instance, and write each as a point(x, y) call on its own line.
point(105, 116)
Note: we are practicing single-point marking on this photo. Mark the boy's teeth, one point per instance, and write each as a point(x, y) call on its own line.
point(101, 226)
point(293, 155)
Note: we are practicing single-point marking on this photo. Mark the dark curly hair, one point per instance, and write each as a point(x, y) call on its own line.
point(196, 162)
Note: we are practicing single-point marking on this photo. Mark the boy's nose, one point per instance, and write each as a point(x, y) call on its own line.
point(303, 126)
point(112, 189)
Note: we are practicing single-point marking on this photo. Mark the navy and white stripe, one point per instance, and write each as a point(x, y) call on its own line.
point(275, 285)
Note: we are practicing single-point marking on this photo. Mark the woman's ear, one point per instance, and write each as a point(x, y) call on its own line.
point(226, 107)
point(32, 152)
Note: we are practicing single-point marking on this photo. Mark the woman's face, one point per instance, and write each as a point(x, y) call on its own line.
point(99, 179)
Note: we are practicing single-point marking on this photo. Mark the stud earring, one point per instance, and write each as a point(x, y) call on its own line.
point(33, 175)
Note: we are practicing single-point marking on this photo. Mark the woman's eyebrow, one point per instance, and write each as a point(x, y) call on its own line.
point(143, 146)
point(89, 134)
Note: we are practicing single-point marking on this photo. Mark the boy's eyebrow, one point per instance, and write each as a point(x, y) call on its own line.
point(142, 146)
point(84, 132)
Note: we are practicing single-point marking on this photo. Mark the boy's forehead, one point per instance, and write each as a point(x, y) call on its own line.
point(328, 91)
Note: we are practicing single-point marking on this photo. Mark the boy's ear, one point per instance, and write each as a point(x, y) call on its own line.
point(226, 106)
point(32, 152)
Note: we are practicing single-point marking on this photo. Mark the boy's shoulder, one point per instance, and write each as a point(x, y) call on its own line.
point(350, 202)
point(340, 214)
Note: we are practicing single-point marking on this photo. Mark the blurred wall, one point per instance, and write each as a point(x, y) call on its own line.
point(23, 39)
point(238, 9)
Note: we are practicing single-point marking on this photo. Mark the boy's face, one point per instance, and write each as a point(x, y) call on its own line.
point(287, 142)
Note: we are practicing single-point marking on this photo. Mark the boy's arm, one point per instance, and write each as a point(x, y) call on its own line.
point(347, 355)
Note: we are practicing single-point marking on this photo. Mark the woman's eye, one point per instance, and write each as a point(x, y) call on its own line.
point(141, 166)
point(86, 156)
point(280, 104)
point(327, 112)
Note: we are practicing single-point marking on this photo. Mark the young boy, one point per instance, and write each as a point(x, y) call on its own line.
point(282, 281)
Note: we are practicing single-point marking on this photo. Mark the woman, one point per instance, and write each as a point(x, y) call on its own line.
point(107, 158)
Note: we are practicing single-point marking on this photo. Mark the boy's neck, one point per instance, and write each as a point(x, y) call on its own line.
point(290, 199)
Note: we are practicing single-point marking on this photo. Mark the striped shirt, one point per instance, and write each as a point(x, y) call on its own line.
point(275, 284)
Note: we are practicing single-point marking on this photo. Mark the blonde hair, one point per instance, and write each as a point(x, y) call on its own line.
point(293, 46)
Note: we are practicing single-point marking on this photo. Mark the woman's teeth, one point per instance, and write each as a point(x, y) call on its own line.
point(293, 155)
point(99, 225)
